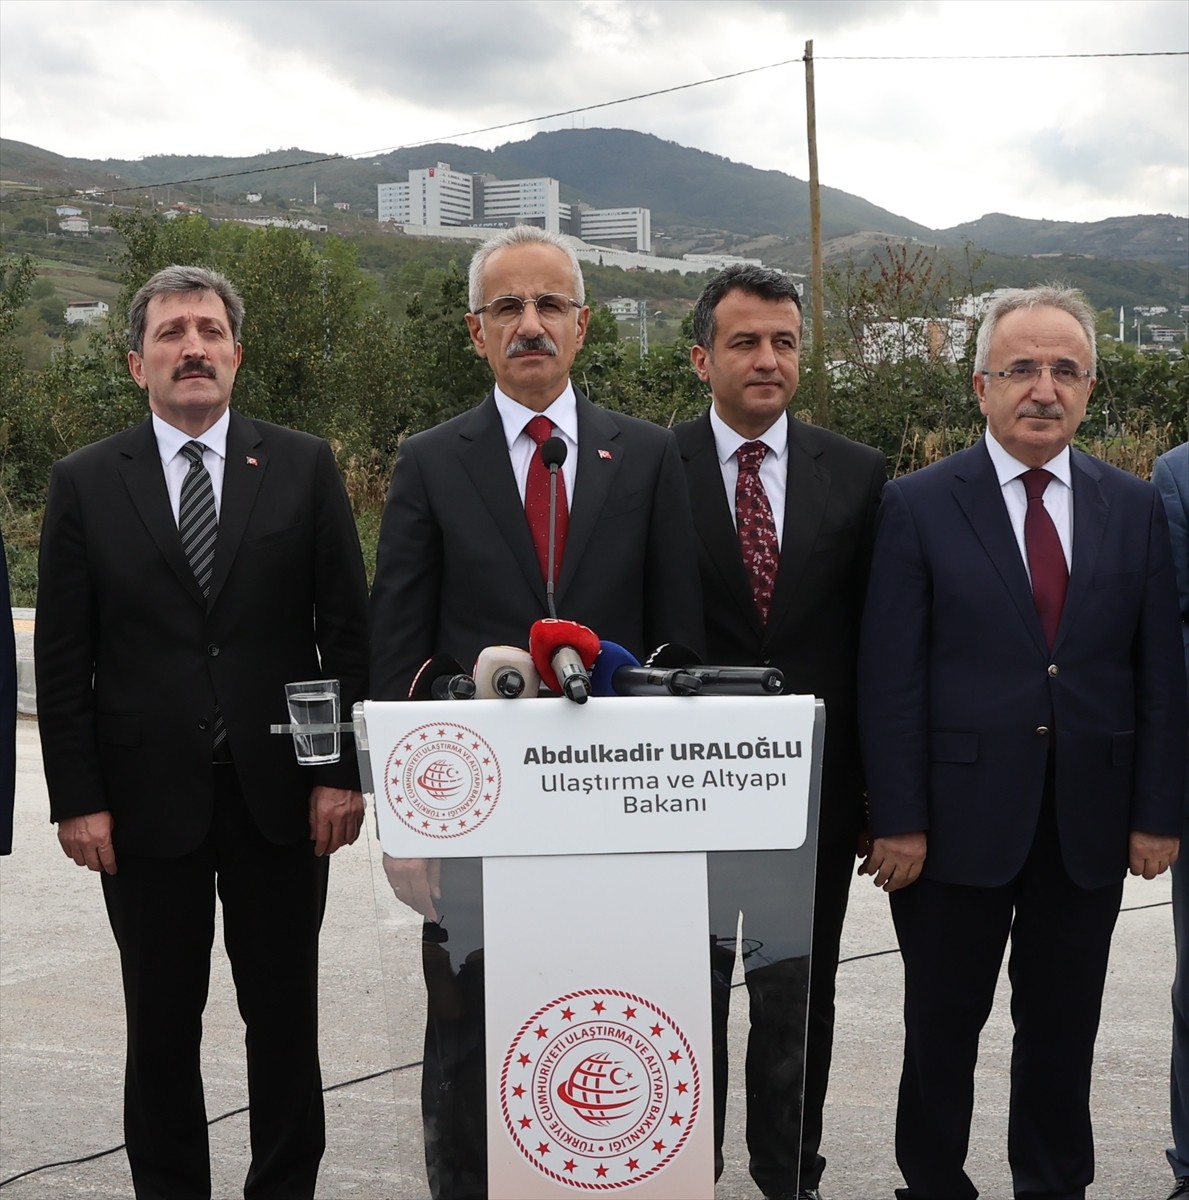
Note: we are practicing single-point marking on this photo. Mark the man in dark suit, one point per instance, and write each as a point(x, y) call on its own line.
point(1170, 475)
point(190, 567)
point(820, 492)
point(460, 568)
point(1022, 702)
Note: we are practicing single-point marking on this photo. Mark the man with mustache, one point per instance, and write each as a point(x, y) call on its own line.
point(1021, 703)
point(461, 566)
point(190, 567)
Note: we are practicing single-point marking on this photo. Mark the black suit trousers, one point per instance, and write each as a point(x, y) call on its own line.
point(952, 938)
point(791, 1005)
point(162, 911)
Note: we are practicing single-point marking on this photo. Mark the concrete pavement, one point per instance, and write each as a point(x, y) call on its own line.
point(62, 1028)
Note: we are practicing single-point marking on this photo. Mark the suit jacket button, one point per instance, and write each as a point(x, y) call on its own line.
point(213, 650)
point(204, 725)
point(1054, 670)
point(1042, 731)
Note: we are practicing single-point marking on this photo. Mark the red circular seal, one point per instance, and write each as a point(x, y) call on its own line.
point(442, 780)
point(600, 1089)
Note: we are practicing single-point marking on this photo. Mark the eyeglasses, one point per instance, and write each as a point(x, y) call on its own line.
point(507, 310)
point(1062, 375)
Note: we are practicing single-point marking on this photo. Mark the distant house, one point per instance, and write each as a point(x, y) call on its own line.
point(86, 312)
point(75, 225)
point(624, 308)
point(68, 210)
point(343, 205)
point(253, 197)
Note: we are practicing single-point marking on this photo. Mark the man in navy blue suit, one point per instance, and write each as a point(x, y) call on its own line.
point(1171, 477)
point(1022, 718)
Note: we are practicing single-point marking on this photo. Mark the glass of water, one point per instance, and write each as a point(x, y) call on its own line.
point(314, 714)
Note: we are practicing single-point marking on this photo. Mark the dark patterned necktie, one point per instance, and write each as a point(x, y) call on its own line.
point(199, 526)
point(536, 501)
point(1046, 559)
point(756, 528)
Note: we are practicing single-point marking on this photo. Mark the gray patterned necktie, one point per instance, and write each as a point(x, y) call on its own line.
point(197, 522)
point(199, 527)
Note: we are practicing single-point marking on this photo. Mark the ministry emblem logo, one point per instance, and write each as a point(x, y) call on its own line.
point(442, 780)
point(600, 1089)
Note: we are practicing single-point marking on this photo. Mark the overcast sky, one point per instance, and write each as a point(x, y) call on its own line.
point(939, 142)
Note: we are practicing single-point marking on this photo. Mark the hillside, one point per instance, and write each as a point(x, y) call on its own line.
point(698, 200)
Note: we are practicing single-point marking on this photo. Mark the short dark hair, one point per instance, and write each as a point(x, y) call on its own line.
point(183, 281)
point(756, 281)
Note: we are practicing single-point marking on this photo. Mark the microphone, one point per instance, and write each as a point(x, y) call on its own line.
point(553, 454)
point(617, 673)
point(505, 673)
point(563, 652)
point(442, 678)
point(719, 681)
point(739, 681)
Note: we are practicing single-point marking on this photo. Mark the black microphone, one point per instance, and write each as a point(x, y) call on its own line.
point(617, 673)
point(553, 454)
point(738, 681)
point(442, 678)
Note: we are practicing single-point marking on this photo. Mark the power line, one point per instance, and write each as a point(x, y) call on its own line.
point(679, 87)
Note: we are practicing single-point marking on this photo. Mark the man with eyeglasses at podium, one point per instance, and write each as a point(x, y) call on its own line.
point(462, 560)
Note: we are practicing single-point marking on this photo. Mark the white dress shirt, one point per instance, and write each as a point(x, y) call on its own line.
point(175, 464)
point(563, 412)
point(1058, 497)
point(774, 470)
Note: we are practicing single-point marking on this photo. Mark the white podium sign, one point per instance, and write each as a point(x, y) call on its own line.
point(487, 778)
point(593, 821)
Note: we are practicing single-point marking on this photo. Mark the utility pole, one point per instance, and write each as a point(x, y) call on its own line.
point(643, 328)
point(817, 346)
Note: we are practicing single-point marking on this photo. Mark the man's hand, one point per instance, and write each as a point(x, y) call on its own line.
point(415, 882)
point(895, 861)
point(1150, 854)
point(87, 839)
point(336, 817)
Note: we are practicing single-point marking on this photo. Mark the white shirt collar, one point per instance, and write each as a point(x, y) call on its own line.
point(563, 412)
point(727, 441)
point(1008, 467)
point(170, 439)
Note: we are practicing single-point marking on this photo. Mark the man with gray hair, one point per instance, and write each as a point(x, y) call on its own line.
point(190, 567)
point(461, 566)
point(1021, 704)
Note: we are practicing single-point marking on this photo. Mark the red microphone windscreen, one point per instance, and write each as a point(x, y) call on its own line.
point(549, 634)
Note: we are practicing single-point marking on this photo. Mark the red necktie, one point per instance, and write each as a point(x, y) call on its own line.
point(757, 530)
point(536, 501)
point(1046, 559)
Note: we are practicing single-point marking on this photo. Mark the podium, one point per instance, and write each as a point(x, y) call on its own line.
point(587, 931)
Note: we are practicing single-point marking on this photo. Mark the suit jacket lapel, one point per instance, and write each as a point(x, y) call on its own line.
point(977, 490)
point(715, 525)
point(483, 452)
point(807, 489)
point(596, 473)
point(1090, 511)
point(243, 473)
point(140, 468)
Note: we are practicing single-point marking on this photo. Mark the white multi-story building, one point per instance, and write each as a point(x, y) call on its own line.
point(620, 228)
point(432, 196)
point(935, 339)
point(440, 197)
point(524, 202)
